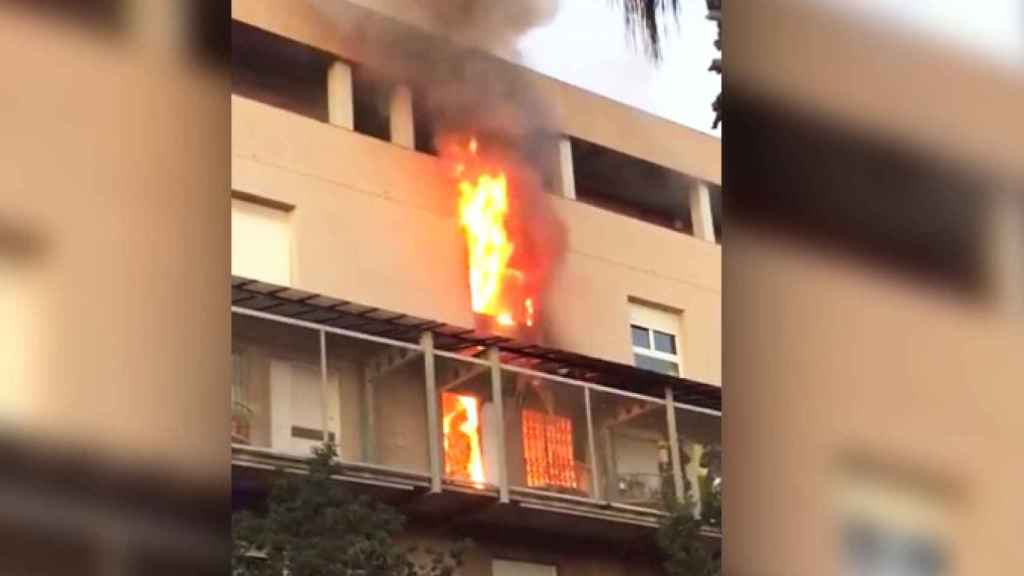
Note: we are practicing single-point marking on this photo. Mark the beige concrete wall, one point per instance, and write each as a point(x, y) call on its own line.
point(115, 322)
point(926, 384)
point(375, 223)
point(352, 27)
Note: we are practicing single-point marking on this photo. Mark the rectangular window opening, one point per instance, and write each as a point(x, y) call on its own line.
point(641, 336)
point(371, 96)
point(654, 332)
point(631, 186)
point(278, 71)
point(261, 243)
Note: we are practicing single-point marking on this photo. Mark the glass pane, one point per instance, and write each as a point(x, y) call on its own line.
point(546, 435)
point(700, 455)
point(655, 364)
point(276, 393)
point(469, 422)
point(631, 439)
point(376, 403)
point(869, 548)
point(664, 342)
point(641, 336)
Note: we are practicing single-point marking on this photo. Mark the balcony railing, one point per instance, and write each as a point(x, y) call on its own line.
point(399, 410)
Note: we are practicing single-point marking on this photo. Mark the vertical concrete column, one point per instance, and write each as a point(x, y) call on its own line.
point(403, 131)
point(434, 433)
point(700, 212)
point(325, 424)
point(565, 169)
point(494, 358)
point(340, 108)
point(673, 442)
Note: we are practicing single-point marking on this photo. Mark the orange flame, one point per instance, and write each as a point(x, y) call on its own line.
point(463, 457)
point(495, 287)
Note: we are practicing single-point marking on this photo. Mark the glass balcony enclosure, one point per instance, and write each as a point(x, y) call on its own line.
point(546, 434)
point(700, 456)
point(297, 384)
point(469, 420)
point(376, 403)
point(275, 393)
point(632, 444)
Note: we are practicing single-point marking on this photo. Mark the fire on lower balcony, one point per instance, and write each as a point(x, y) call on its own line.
point(463, 456)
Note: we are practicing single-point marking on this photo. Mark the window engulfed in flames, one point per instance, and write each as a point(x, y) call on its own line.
point(463, 457)
point(497, 289)
point(548, 451)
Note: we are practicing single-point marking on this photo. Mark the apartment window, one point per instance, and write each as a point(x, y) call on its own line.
point(424, 128)
point(513, 568)
point(655, 338)
point(278, 71)
point(371, 112)
point(260, 240)
point(627, 185)
point(892, 522)
point(716, 211)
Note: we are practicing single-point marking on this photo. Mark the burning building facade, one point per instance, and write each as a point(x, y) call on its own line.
point(508, 321)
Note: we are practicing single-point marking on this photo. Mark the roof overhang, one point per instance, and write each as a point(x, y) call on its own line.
point(343, 314)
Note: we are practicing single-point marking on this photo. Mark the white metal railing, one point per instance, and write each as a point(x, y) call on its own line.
point(435, 451)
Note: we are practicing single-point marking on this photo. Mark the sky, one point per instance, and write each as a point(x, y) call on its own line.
point(586, 44)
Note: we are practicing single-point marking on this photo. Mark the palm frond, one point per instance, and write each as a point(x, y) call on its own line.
point(645, 21)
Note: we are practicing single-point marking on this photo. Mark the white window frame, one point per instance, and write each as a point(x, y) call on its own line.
point(653, 318)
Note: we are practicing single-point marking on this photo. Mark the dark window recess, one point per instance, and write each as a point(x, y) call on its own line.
point(423, 126)
point(371, 104)
point(716, 210)
point(664, 342)
point(278, 71)
point(209, 30)
point(856, 193)
point(106, 16)
point(311, 434)
point(641, 336)
point(631, 186)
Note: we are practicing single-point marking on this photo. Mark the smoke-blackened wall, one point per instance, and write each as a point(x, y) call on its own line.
point(462, 89)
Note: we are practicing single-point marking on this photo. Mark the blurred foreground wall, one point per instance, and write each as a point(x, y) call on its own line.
point(114, 325)
point(872, 281)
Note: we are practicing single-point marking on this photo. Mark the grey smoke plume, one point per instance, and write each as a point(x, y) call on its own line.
point(459, 88)
point(462, 89)
point(495, 25)
point(460, 81)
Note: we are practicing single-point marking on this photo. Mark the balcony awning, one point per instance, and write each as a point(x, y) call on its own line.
point(335, 313)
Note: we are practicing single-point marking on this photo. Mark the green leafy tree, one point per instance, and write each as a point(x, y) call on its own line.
point(686, 551)
point(314, 525)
